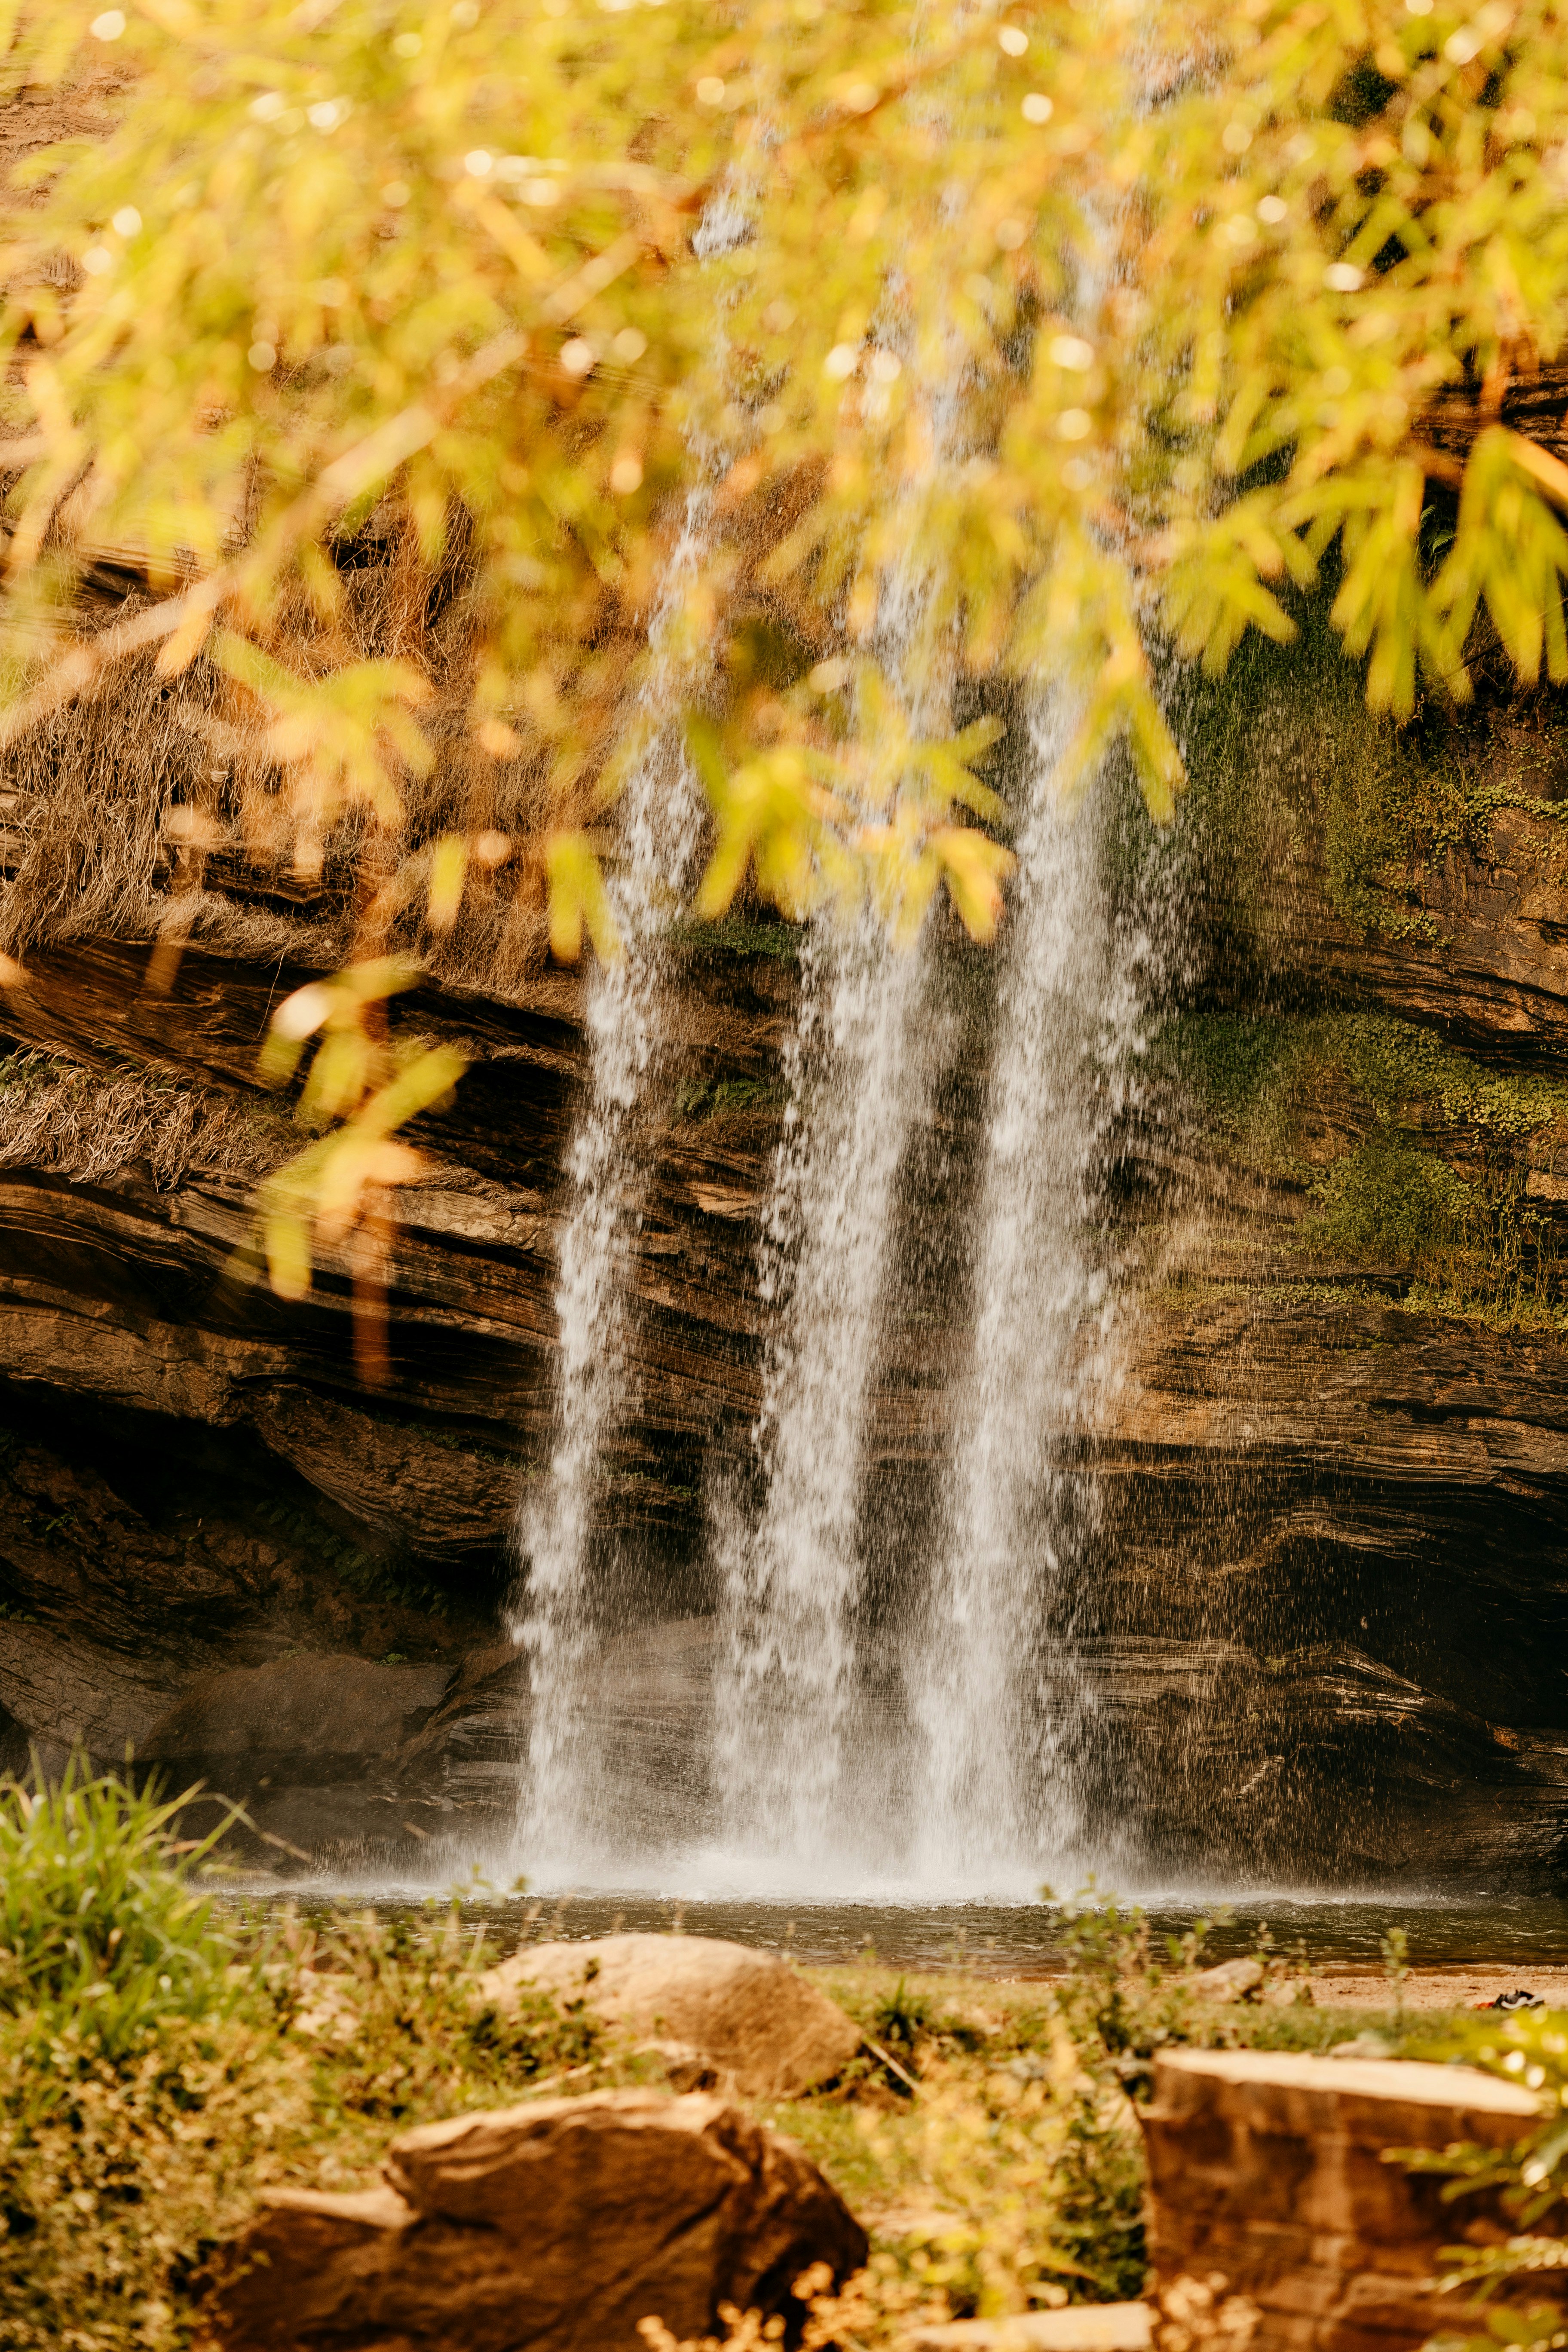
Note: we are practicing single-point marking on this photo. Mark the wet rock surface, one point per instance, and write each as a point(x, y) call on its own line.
point(1326, 1590)
point(558, 2225)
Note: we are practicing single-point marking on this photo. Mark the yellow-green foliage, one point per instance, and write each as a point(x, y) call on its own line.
point(1389, 1200)
point(434, 272)
point(1255, 1076)
point(1529, 2179)
point(593, 333)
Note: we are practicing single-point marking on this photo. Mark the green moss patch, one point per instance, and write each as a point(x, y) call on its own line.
point(1411, 1158)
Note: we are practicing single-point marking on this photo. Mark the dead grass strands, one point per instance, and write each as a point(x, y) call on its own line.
point(72, 1122)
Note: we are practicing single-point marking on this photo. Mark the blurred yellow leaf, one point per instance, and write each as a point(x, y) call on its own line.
point(577, 899)
point(449, 872)
point(975, 868)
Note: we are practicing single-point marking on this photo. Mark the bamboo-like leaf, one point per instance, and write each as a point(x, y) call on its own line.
point(578, 900)
point(288, 1244)
point(448, 873)
point(975, 868)
point(425, 1081)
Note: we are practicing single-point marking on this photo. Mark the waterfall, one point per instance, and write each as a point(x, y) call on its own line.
point(788, 1678)
point(790, 1685)
point(1002, 1713)
point(565, 1611)
point(560, 1621)
point(947, 1756)
point(985, 1793)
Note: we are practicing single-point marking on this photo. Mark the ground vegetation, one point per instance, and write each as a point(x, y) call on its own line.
point(1517, 2272)
point(165, 2054)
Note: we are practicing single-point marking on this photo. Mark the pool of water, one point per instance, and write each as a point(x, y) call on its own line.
point(1017, 1938)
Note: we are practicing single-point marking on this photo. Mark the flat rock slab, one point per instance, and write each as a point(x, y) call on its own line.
point(1267, 2167)
point(1085, 2327)
point(758, 2023)
point(304, 1718)
point(556, 2225)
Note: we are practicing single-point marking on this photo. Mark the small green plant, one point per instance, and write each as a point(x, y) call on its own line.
point(1412, 1158)
point(703, 1098)
point(1120, 2002)
point(1389, 1200)
point(1529, 2178)
point(902, 2017)
point(1395, 1949)
point(164, 2059)
point(102, 1932)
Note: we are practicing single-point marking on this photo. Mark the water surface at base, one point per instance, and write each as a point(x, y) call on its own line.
point(1018, 1939)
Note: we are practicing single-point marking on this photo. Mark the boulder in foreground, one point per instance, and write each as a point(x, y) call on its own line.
point(749, 2015)
point(556, 2226)
point(1267, 2167)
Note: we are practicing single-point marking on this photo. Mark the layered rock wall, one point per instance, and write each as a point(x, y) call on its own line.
point(1324, 1590)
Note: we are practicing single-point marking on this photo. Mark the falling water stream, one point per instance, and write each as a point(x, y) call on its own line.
point(561, 1621)
point(795, 1751)
point(986, 1798)
point(563, 1613)
point(1002, 1712)
point(787, 1680)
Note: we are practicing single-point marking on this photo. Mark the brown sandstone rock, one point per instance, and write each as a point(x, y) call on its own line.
point(760, 2023)
point(1267, 2167)
point(556, 2226)
point(321, 1718)
point(1232, 1980)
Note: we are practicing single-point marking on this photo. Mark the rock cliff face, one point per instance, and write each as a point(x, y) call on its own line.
point(1323, 1611)
point(1333, 1590)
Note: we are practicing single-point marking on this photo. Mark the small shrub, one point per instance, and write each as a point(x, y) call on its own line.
point(1389, 1201)
point(1529, 2177)
point(160, 2064)
point(102, 1932)
point(902, 2017)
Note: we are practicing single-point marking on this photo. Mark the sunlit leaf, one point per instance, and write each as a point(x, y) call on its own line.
point(578, 900)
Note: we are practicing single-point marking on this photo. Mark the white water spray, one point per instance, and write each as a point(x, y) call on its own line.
point(560, 1625)
point(789, 1681)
